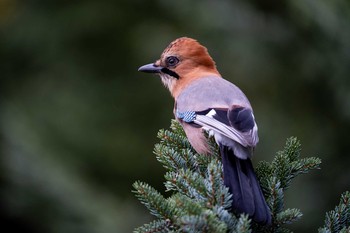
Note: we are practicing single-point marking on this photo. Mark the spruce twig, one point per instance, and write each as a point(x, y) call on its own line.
point(338, 220)
point(200, 202)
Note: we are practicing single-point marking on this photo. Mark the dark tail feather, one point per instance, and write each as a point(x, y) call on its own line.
point(241, 180)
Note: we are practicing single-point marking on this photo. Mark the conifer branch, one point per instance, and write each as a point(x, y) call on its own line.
point(159, 226)
point(200, 202)
point(243, 224)
point(153, 200)
point(338, 220)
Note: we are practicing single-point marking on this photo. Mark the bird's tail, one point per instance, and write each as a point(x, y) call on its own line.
point(240, 178)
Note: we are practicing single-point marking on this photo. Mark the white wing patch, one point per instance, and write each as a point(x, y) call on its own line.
point(210, 131)
point(211, 113)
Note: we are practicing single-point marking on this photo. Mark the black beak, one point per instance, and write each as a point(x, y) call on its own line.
point(150, 68)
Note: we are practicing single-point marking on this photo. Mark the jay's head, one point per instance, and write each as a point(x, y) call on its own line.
point(183, 61)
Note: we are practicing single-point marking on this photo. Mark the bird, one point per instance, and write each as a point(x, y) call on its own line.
point(206, 102)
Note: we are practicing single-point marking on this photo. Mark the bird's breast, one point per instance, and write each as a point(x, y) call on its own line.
point(196, 138)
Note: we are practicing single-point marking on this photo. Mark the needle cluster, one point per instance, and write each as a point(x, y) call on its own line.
point(199, 201)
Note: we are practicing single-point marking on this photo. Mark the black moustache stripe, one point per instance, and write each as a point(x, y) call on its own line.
point(170, 72)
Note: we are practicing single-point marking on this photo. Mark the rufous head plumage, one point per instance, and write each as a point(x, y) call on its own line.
point(183, 61)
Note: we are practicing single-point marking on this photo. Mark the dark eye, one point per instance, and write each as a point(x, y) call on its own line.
point(172, 61)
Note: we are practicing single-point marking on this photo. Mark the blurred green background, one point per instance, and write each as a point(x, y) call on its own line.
point(78, 122)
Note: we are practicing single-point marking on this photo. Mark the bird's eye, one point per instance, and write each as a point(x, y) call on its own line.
point(172, 61)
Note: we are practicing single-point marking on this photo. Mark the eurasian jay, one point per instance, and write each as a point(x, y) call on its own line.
point(206, 101)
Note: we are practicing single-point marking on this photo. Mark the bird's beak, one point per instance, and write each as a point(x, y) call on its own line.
point(150, 68)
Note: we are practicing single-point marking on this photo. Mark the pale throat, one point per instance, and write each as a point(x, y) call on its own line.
point(168, 81)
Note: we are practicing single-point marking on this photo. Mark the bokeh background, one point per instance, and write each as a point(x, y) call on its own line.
point(78, 122)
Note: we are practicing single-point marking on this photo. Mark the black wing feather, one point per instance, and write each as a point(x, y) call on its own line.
point(241, 118)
